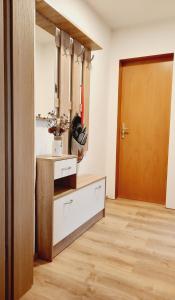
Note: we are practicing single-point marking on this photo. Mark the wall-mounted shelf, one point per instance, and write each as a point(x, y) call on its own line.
point(48, 18)
point(42, 118)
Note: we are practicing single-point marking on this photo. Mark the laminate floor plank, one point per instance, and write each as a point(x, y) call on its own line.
point(128, 255)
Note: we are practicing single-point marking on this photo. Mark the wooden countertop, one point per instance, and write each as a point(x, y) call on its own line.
point(55, 158)
point(85, 180)
point(82, 181)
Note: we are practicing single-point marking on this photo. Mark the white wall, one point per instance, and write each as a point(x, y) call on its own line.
point(81, 15)
point(138, 41)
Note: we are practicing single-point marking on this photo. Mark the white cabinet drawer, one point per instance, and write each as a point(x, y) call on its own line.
point(73, 210)
point(65, 168)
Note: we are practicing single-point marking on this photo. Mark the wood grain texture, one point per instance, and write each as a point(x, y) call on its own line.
point(81, 182)
point(85, 180)
point(2, 157)
point(128, 255)
point(86, 83)
point(44, 208)
point(48, 190)
point(55, 158)
point(23, 146)
point(145, 109)
point(77, 233)
point(76, 79)
point(65, 83)
point(45, 24)
point(54, 17)
point(64, 184)
point(118, 129)
point(56, 67)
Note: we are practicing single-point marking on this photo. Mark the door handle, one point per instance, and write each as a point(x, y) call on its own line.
point(66, 169)
point(69, 202)
point(98, 188)
point(124, 131)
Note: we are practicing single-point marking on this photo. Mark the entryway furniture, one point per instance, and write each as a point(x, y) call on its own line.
point(67, 205)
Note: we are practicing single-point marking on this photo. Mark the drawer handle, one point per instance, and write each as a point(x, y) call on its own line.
point(69, 202)
point(98, 187)
point(66, 169)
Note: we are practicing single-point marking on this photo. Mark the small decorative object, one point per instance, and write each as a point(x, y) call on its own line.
point(57, 146)
point(79, 137)
point(57, 126)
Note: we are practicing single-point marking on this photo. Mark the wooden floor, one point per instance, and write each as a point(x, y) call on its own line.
point(128, 255)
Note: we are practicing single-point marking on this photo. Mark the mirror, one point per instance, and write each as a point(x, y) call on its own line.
point(45, 59)
point(45, 65)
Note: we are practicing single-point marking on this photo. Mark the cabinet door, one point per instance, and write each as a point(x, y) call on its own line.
point(2, 160)
point(99, 191)
point(90, 201)
point(64, 217)
point(72, 211)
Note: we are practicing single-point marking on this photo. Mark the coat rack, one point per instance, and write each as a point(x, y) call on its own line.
point(74, 60)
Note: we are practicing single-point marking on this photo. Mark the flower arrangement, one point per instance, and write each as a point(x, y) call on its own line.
point(57, 126)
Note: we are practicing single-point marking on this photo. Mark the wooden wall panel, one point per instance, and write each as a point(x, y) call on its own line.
point(8, 148)
point(65, 82)
point(56, 76)
point(86, 83)
point(76, 78)
point(23, 124)
point(2, 159)
point(44, 198)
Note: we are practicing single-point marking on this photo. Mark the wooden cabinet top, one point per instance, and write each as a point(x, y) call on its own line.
point(82, 181)
point(55, 158)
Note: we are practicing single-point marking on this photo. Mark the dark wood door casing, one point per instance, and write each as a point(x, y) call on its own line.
point(2, 157)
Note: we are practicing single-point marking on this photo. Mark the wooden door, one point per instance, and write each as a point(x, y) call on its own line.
point(143, 128)
point(2, 158)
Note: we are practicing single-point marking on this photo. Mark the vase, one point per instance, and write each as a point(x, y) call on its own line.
point(57, 146)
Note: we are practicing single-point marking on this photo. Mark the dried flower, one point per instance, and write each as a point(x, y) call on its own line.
point(57, 126)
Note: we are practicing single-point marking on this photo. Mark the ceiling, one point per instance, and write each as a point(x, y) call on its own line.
point(123, 13)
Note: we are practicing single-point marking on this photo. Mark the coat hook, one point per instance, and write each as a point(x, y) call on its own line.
point(90, 61)
point(80, 55)
point(67, 51)
point(92, 58)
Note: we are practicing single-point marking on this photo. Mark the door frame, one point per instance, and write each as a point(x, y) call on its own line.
point(2, 157)
point(17, 147)
point(122, 62)
point(7, 155)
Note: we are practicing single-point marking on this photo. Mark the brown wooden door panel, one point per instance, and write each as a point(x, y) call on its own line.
point(2, 159)
point(17, 229)
point(23, 146)
point(145, 110)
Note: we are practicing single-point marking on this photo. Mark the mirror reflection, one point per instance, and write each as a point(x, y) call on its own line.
point(45, 51)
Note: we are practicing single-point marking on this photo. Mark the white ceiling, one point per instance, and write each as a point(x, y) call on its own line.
point(123, 13)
